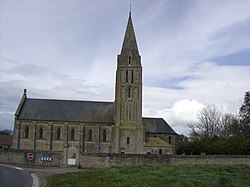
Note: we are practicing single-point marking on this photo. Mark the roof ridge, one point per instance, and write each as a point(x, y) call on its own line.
point(153, 118)
point(69, 100)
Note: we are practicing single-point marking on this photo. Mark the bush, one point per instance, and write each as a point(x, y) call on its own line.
point(216, 145)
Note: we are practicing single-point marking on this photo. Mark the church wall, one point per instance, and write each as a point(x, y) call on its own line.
point(97, 138)
point(105, 134)
point(26, 135)
point(26, 144)
point(159, 150)
point(169, 138)
point(41, 145)
point(54, 136)
point(58, 136)
point(72, 139)
point(91, 138)
point(131, 140)
point(57, 145)
point(41, 134)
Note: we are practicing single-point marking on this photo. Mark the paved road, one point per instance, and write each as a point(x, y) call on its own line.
point(14, 177)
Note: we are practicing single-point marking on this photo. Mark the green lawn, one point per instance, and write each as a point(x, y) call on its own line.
point(160, 176)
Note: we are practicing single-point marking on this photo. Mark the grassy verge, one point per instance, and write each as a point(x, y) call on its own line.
point(150, 176)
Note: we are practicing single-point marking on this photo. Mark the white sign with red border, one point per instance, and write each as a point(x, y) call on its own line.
point(30, 156)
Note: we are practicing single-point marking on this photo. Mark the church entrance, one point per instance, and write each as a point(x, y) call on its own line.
point(71, 156)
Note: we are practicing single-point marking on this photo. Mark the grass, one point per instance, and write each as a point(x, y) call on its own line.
point(160, 176)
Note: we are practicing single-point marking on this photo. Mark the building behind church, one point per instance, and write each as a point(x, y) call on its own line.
point(80, 127)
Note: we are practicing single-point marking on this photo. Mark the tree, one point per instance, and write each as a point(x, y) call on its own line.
point(208, 123)
point(245, 115)
point(230, 126)
point(6, 132)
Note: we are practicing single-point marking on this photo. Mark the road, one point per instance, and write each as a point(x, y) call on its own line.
point(14, 177)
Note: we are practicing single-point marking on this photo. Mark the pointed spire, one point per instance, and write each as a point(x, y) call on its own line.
point(129, 43)
point(130, 11)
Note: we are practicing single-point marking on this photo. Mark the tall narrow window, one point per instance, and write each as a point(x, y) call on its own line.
point(129, 92)
point(132, 76)
point(104, 135)
point(126, 76)
point(58, 133)
point(90, 135)
point(72, 134)
point(160, 151)
point(26, 132)
point(169, 139)
point(128, 140)
point(40, 134)
point(129, 59)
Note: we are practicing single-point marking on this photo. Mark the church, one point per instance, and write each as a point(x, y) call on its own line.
point(89, 127)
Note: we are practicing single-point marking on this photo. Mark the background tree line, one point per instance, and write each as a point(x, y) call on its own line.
point(217, 133)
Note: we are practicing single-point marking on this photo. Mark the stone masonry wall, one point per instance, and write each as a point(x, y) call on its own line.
point(103, 160)
point(20, 157)
point(108, 160)
point(211, 159)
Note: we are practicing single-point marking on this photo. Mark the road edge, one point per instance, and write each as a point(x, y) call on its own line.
point(36, 180)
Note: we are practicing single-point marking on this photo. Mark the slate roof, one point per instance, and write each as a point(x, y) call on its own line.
point(157, 125)
point(80, 111)
point(67, 110)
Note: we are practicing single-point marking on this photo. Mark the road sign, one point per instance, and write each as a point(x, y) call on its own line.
point(30, 156)
point(46, 158)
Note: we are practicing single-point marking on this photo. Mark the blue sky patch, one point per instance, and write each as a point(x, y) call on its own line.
point(236, 59)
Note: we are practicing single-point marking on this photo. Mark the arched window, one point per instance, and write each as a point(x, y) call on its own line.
point(129, 59)
point(126, 76)
point(104, 135)
point(26, 132)
point(129, 92)
point(72, 134)
point(90, 135)
point(160, 151)
point(132, 76)
point(40, 134)
point(58, 133)
point(128, 140)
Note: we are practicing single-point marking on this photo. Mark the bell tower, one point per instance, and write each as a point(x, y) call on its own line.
point(128, 135)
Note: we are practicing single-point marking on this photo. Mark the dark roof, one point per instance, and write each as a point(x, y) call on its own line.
point(80, 111)
point(67, 110)
point(157, 125)
point(5, 139)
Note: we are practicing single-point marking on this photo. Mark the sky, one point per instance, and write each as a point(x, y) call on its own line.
point(194, 53)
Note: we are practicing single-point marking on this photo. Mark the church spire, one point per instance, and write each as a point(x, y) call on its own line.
point(129, 43)
point(130, 10)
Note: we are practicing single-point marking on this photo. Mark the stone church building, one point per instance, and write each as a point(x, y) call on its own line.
point(82, 127)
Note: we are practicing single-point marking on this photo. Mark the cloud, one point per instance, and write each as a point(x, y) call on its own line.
point(205, 30)
point(68, 49)
point(208, 84)
point(180, 114)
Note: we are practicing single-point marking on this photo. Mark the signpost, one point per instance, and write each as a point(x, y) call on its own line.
point(30, 156)
point(46, 158)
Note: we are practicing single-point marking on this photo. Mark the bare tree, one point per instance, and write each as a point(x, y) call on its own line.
point(230, 126)
point(208, 123)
